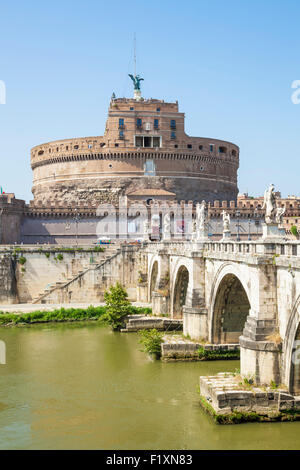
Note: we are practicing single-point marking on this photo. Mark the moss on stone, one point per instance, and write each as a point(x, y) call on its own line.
point(238, 417)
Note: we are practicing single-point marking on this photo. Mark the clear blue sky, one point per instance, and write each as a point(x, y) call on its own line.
point(229, 63)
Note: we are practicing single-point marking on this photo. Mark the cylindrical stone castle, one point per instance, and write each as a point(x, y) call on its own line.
point(144, 152)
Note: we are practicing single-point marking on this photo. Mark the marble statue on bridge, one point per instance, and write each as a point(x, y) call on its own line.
point(270, 205)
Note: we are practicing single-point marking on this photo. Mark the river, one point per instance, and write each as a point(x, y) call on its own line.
point(81, 386)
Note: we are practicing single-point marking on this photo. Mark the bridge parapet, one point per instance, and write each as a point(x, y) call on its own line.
point(256, 247)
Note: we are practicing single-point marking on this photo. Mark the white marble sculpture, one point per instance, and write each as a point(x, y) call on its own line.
point(279, 215)
point(167, 227)
point(270, 205)
point(226, 221)
point(201, 216)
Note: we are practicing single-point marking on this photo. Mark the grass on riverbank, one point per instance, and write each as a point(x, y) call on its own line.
point(64, 315)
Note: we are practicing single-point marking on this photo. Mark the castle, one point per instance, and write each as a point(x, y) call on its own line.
point(144, 152)
point(144, 155)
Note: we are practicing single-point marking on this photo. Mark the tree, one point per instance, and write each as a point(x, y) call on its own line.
point(151, 341)
point(294, 230)
point(117, 306)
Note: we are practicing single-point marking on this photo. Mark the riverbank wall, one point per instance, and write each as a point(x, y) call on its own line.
point(55, 275)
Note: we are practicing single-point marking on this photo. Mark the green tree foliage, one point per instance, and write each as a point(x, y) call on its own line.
point(151, 341)
point(294, 230)
point(117, 306)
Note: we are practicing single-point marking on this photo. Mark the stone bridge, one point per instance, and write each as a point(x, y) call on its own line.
point(234, 292)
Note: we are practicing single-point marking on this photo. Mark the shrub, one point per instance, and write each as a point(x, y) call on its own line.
point(60, 315)
point(22, 260)
point(117, 306)
point(215, 355)
point(60, 257)
point(99, 249)
point(151, 341)
point(294, 230)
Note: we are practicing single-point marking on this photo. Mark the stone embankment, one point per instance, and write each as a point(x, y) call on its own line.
point(231, 400)
point(179, 348)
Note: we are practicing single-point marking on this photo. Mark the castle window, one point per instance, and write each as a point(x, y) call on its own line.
point(110, 165)
point(41, 152)
point(121, 123)
point(131, 109)
point(176, 146)
point(211, 147)
point(139, 123)
point(116, 145)
point(158, 110)
point(189, 146)
point(173, 135)
point(147, 141)
point(90, 146)
point(139, 141)
point(222, 150)
point(156, 141)
point(200, 147)
point(233, 153)
point(102, 144)
point(121, 135)
point(173, 124)
point(67, 147)
point(155, 123)
point(149, 168)
point(76, 147)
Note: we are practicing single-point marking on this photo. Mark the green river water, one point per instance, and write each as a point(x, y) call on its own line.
point(84, 387)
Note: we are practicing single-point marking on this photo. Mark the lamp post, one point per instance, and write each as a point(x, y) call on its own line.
point(249, 233)
point(76, 219)
point(238, 214)
point(256, 214)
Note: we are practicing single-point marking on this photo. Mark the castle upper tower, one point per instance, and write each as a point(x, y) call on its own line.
point(144, 151)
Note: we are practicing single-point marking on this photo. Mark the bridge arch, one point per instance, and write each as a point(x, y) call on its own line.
point(229, 305)
point(153, 275)
point(180, 283)
point(291, 351)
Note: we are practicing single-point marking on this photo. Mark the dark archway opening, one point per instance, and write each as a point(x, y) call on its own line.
point(180, 291)
point(295, 366)
point(230, 311)
point(153, 279)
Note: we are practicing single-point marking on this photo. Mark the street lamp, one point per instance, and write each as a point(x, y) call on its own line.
point(249, 233)
point(238, 214)
point(256, 215)
point(76, 219)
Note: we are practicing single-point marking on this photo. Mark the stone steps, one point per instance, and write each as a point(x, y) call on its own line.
point(61, 284)
point(138, 322)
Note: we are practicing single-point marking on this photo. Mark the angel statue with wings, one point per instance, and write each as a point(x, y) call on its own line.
point(136, 81)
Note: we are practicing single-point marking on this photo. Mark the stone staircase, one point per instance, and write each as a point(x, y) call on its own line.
point(43, 297)
point(147, 322)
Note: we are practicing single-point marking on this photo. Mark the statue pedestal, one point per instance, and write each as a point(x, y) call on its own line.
point(271, 232)
point(137, 95)
point(226, 236)
point(201, 236)
point(166, 236)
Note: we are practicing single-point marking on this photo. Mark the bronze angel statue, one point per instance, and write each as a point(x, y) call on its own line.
point(136, 81)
